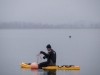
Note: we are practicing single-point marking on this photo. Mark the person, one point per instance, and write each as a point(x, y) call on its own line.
point(50, 56)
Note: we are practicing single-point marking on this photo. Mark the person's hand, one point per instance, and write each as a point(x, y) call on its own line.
point(41, 52)
point(44, 57)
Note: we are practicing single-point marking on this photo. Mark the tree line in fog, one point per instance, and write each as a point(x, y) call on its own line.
point(20, 25)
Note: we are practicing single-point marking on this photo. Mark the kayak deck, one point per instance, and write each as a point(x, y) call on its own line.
point(64, 67)
point(24, 65)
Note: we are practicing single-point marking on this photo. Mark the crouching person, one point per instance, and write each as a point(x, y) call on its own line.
point(50, 56)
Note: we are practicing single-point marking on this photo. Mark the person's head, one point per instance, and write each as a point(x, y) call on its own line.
point(48, 47)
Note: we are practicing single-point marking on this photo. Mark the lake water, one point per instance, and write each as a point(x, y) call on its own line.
point(22, 45)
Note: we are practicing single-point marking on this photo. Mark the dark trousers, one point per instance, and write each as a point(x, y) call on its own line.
point(43, 64)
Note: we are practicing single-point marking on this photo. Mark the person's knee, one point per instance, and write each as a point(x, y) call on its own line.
point(43, 64)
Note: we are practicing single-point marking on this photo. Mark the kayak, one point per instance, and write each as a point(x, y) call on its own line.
point(25, 65)
point(63, 67)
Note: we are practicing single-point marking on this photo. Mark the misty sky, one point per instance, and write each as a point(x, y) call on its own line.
point(50, 11)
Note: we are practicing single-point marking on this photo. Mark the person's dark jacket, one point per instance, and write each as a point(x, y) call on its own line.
point(51, 57)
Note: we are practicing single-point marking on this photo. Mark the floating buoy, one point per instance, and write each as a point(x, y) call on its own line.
point(69, 36)
point(34, 65)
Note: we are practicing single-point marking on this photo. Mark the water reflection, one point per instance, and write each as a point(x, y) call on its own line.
point(25, 71)
point(74, 72)
point(37, 72)
point(68, 72)
point(49, 72)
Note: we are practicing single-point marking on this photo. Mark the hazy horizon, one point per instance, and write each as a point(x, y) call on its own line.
point(24, 25)
point(50, 12)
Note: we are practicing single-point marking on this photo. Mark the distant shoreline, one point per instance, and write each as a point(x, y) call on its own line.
point(49, 28)
point(19, 25)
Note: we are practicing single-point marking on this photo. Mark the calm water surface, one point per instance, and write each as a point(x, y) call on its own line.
point(22, 45)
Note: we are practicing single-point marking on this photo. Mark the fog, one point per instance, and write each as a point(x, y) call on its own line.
point(50, 11)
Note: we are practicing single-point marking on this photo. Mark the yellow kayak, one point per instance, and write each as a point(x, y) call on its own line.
point(24, 65)
point(64, 67)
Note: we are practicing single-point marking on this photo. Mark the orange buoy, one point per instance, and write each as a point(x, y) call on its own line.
point(34, 65)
